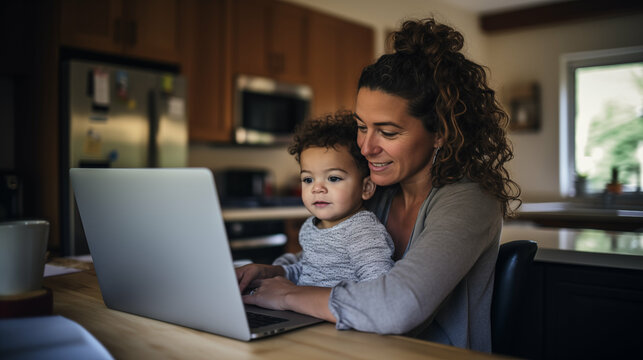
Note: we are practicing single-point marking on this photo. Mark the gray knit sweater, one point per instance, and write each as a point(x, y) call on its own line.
point(357, 249)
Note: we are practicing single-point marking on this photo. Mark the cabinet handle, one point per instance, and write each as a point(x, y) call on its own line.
point(132, 33)
point(118, 30)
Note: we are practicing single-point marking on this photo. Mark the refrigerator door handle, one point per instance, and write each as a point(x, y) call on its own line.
point(153, 115)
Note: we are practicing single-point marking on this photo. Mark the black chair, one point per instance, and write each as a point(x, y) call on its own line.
point(512, 271)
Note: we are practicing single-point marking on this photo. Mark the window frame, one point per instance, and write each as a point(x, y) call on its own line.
point(568, 65)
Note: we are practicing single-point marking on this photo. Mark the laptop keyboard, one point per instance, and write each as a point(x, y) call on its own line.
point(259, 320)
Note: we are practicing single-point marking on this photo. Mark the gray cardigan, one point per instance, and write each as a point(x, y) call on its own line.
point(441, 289)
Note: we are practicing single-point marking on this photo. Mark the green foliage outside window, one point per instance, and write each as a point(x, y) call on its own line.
point(609, 125)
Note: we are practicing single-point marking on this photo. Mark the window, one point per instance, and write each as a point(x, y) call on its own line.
point(602, 121)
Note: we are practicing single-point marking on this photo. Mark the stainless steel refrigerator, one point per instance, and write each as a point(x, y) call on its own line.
point(120, 117)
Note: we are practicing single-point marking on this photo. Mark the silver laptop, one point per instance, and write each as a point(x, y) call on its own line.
point(160, 250)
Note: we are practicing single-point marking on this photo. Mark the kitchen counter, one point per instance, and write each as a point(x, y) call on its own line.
point(576, 214)
point(528, 211)
point(622, 250)
point(265, 213)
point(592, 247)
point(575, 209)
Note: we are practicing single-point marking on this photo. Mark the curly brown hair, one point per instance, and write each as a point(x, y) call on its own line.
point(450, 95)
point(329, 131)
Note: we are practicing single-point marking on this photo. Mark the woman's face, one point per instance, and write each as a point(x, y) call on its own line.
point(397, 146)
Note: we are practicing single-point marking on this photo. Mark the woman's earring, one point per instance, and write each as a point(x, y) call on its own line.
point(435, 154)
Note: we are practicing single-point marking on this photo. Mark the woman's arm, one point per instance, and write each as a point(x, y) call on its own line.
point(280, 294)
point(452, 233)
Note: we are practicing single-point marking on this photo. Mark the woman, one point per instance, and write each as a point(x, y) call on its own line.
point(434, 137)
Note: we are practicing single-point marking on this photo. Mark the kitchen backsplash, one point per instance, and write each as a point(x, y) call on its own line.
point(284, 168)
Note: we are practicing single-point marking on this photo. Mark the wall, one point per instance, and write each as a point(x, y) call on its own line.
point(382, 15)
point(534, 55)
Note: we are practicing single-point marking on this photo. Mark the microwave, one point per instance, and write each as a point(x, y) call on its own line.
point(267, 111)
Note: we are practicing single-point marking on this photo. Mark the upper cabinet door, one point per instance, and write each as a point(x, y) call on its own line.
point(250, 22)
point(339, 50)
point(287, 57)
point(355, 50)
point(152, 29)
point(323, 63)
point(270, 39)
point(206, 65)
point(139, 28)
point(92, 24)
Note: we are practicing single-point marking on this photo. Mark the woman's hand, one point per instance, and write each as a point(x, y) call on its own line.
point(278, 293)
point(248, 274)
point(270, 293)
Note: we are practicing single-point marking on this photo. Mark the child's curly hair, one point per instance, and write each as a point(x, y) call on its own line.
point(329, 131)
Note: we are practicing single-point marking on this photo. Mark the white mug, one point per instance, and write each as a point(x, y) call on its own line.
point(23, 245)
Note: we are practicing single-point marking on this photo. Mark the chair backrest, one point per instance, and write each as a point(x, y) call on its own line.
point(512, 271)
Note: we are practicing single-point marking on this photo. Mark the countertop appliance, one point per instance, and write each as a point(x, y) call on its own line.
point(117, 116)
point(258, 240)
point(244, 183)
point(250, 188)
point(267, 111)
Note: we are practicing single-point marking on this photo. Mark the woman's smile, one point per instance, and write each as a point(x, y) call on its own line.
point(378, 166)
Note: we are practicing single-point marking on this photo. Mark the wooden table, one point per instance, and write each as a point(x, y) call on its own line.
point(126, 336)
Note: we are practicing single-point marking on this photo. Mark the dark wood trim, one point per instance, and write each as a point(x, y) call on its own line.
point(557, 13)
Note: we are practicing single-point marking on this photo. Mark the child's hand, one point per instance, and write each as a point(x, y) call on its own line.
point(247, 274)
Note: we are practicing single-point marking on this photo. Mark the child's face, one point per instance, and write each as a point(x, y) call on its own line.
point(332, 187)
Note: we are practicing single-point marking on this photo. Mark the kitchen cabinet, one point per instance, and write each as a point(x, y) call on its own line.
point(147, 29)
point(273, 39)
point(338, 52)
point(592, 312)
point(270, 39)
point(323, 63)
point(581, 312)
point(355, 43)
point(206, 67)
point(91, 24)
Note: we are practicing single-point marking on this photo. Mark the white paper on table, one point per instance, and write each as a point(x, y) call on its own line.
point(53, 270)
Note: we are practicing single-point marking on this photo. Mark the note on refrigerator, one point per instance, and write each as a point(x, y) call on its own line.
point(176, 106)
point(101, 87)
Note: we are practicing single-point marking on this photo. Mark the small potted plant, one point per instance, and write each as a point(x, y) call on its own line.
point(614, 187)
point(580, 185)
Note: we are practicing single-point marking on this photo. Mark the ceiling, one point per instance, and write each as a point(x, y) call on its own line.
point(491, 6)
